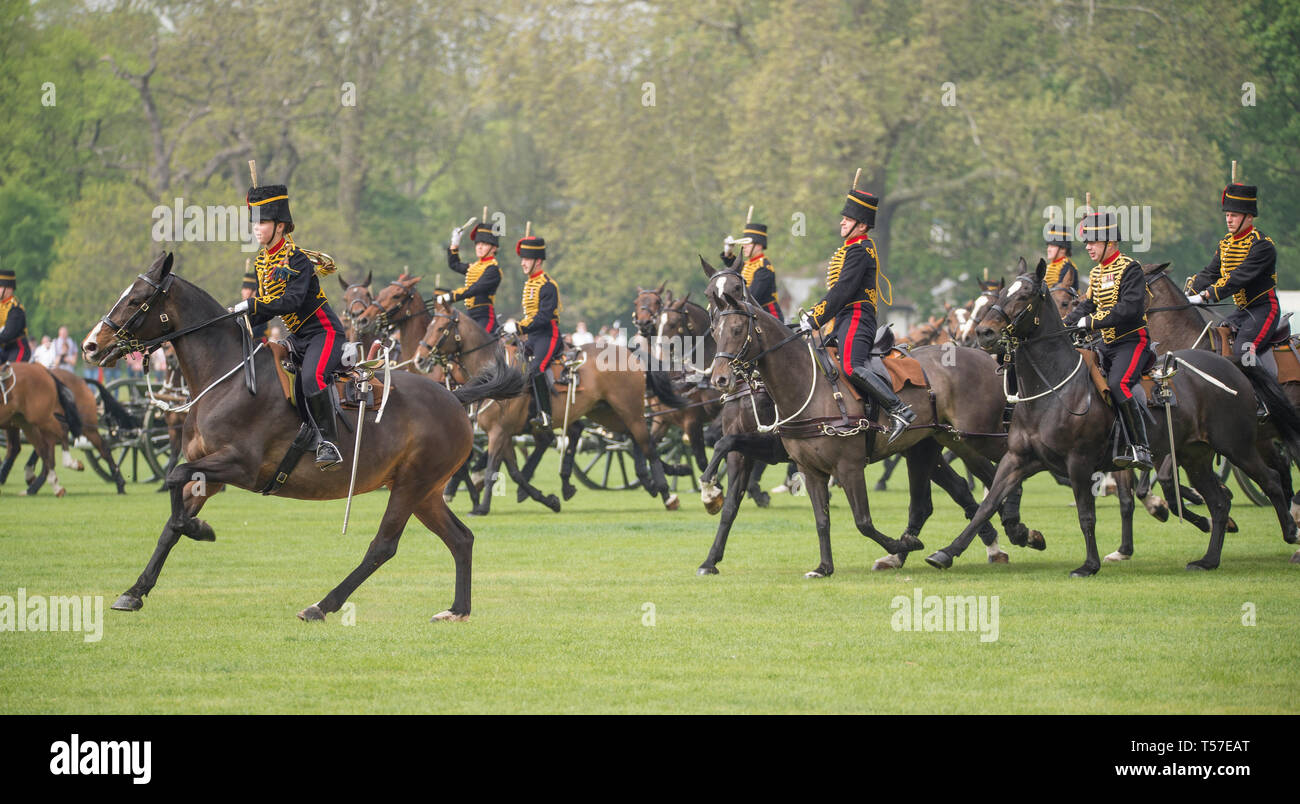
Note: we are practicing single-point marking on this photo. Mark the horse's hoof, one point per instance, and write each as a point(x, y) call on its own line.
point(59, 492)
point(1201, 564)
point(1295, 558)
point(1084, 572)
point(1292, 537)
point(200, 531)
point(521, 494)
point(1231, 525)
point(569, 491)
point(672, 503)
point(939, 560)
point(312, 614)
point(552, 502)
point(448, 617)
point(999, 558)
point(1116, 556)
point(121, 489)
point(1036, 541)
point(880, 486)
point(762, 499)
point(478, 512)
point(127, 602)
point(706, 570)
point(1157, 508)
point(909, 543)
point(889, 562)
point(712, 498)
point(820, 572)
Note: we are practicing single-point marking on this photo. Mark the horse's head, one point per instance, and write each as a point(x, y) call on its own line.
point(400, 292)
point(441, 337)
point(1016, 311)
point(647, 308)
point(1066, 298)
point(733, 323)
point(356, 298)
point(989, 292)
point(143, 312)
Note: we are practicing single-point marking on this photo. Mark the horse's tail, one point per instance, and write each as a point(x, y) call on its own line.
point(1281, 413)
point(70, 418)
point(114, 409)
point(498, 381)
point(662, 386)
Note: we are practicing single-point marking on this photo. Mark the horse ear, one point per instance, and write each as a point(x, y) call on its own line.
point(662, 285)
point(686, 299)
point(1040, 271)
point(1022, 267)
point(667, 295)
point(368, 273)
point(342, 284)
point(1002, 282)
point(166, 266)
point(708, 269)
point(413, 280)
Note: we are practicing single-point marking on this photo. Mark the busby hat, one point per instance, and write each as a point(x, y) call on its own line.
point(1240, 198)
point(250, 281)
point(1057, 235)
point(860, 206)
point(531, 248)
point(755, 233)
point(482, 233)
point(7, 278)
point(270, 202)
point(1100, 227)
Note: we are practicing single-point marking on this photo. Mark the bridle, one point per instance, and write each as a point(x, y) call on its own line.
point(1009, 340)
point(125, 333)
point(646, 326)
point(351, 313)
point(388, 324)
point(449, 359)
point(747, 367)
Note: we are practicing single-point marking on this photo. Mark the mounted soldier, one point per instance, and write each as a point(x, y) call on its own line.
point(758, 272)
point(852, 289)
point(1115, 305)
point(1061, 271)
point(14, 346)
point(1244, 267)
point(287, 287)
point(482, 277)
point(541, 323)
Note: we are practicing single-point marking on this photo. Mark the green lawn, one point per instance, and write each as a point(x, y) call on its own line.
point(558, 612)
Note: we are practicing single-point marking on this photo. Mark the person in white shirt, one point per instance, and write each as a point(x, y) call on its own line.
point(581, 337)
point(44, 354)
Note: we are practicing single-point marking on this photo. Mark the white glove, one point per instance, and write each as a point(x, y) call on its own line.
point(805, 323)
point(1197, 299)
point(445, 298)
point(241, 307)
point(1083, 323)
point(455, 237)
point(727, 244)
point(510, 327)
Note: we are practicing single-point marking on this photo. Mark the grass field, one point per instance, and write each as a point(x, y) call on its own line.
point(559, 613)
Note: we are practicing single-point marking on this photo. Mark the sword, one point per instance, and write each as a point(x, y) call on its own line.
point(1173, 456)
point(388, 384)
point(356, 453)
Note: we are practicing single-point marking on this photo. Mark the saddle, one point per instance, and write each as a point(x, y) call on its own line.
point(888, 360)
point(347, 384)
point(1150, 393)
point(563, 371)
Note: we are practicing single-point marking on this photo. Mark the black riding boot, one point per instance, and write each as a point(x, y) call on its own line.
point(1139, 450)
point(321, 411)
point(541, 402)
point(874, 386)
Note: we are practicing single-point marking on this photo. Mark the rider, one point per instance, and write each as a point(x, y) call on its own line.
point(482, 277)
point(758, 272)
point(1115, 303)
point(14, 347)
point(1244, 266)
point(287, 287)
point(852, 282)
point(541, 302)
point(1061, 271)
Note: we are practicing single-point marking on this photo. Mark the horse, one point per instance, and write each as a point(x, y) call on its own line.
point(232, 437)
point(611, 391)
point(398, 309)
point(1062, 423)
point(356, 300)
point(829, 433)
point(30, 404)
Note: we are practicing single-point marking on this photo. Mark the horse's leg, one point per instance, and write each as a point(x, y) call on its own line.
point(819, 497)
point(958, 488)
point(97, 441)
point(1126, 483)
point(528, 490)
point(437, 517)
point(1202, 476)
point(401, 504)
point(739, 467)
point(1266, 477)
point(890, 464)
point(984, 470)
point(1012, 470)
point(761, 498)
point(854, 484)
point(540, 442)
point(12, 448)
point(133, 598)
point(695, 433)
point(1086, 507)
point(645, 460)
point(500, 447)
point(571, 438)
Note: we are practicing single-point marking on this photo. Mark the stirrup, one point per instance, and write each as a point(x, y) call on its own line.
point(902, 416)
point(327, 456)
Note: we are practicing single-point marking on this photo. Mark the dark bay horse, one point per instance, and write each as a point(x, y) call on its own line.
point(751, 341)
point(1062, 424)
point(611, 391)
point(233, 437)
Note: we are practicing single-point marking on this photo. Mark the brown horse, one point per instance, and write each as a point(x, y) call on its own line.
point(29, 403)
point(233, 437)
point(399, 310)
point(611, 391)
point(356, 300)
point(751, 341)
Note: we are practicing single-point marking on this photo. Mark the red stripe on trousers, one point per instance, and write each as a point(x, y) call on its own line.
point(1267, 329)
point(492, 318)
point(329, 347)
point(550, 349)
point(771, 308)
point(846, 348)
point(1127, 380)
point(22, 352)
